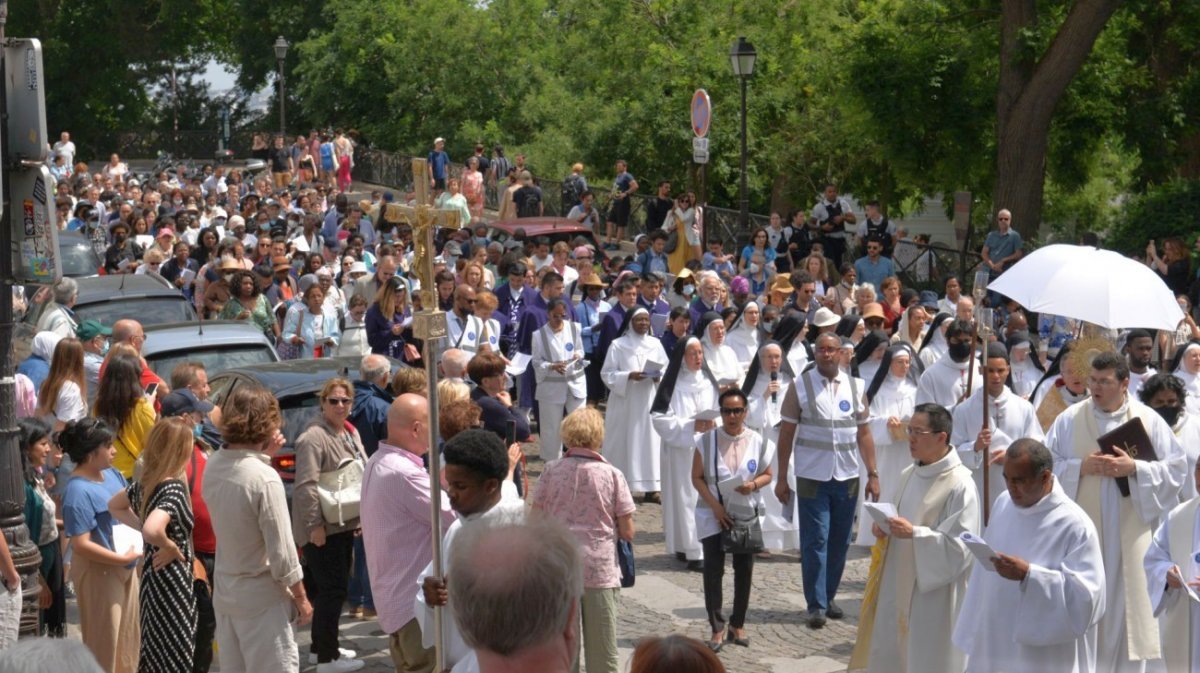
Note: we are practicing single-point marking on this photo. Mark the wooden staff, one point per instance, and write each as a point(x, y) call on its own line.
point(987, 451)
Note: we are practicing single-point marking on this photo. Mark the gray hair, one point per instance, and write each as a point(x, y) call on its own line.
point(374, 367)
point(515, 584)
point(65, 290)
point(454, 362)
point(48, 655)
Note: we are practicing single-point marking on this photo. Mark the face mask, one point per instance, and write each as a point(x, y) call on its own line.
point(959, 352)
point(178, 202)
point(119, 238)
point(689, 289)
point(480, 242)
point(754, 268)
point(846, 283)
point(768, 325)
point(197, 430)
point(1169, 414)
point(229, 278)
point(104, 348)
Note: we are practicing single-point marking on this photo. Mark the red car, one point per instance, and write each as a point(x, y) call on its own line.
point(555, 228)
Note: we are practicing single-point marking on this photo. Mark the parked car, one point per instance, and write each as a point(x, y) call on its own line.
point(77, 256)
point(295, 383)
point(148, 298)
point(218, 344)
point(555, 228)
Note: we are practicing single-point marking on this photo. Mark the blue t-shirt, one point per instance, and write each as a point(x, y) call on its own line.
point(85, 507)
point(769, 254)
point(623, 182)
point(1002, 245)
point(438, 161)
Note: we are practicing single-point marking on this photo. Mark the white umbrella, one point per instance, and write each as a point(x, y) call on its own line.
point(1099, 286)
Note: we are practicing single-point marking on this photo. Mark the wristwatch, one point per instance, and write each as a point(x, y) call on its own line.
point(872, 473)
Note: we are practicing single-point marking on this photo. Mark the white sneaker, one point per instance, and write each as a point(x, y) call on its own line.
point(342, 652)
point(340, 666)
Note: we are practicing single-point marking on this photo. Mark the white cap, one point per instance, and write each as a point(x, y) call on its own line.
point(438, 139)
point(358, 267)
point(236, 221)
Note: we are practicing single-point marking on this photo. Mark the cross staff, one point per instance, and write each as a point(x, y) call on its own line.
point(429, 325)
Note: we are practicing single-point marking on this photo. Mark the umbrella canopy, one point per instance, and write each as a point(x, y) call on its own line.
point(1100, 286)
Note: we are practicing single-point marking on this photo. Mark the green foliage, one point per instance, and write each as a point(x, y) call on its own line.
point(1161, 211)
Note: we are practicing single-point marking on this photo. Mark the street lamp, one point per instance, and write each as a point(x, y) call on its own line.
point(742, 56)
point(281, 50)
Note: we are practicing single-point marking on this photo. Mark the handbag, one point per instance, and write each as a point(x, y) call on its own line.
point(624, 547)
point(340, 490)
point(284, 347)
point(673, 236)
point(745, 535)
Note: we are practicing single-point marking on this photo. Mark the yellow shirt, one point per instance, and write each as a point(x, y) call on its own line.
point(132, 437)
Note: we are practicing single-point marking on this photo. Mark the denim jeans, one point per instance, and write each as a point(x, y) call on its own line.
point(360, 580)
point(826, 511)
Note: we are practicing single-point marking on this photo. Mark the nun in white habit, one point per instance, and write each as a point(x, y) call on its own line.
point(765, 387)
point(688, 388)
point(1186, 365)
point(721, 359)
point(869, 353)
point(632, 368)
point(789, 334)
point(891, 396)
point(1026, 369)
point(934, 345)
point(743, 334)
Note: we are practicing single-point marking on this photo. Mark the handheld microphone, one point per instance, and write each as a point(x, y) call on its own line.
point(774, 378)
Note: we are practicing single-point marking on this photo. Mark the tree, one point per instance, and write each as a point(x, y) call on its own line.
point(1028, 92)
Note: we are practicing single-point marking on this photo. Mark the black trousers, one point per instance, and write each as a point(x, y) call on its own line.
point(328, 571)
point(206, 618)
point(835, 249)
point(54, 618)
point(596, 391)
point(714, 573)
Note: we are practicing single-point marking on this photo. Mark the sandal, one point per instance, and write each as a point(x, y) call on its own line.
point(715, 645)
point(741, 642)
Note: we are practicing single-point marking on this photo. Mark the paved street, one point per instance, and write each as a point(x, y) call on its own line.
point(669, 599)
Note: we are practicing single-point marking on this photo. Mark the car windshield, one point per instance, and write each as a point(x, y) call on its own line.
point(149, 310)
point(215, 360)
point(79, 260)
point(298, 411)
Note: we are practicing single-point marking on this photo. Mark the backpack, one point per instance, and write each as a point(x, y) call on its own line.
point(530, 204)
point(572, 193)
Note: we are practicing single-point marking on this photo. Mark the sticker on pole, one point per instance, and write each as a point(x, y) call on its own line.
point(701, 113)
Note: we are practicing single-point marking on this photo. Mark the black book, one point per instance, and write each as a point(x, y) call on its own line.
point(1131, 436)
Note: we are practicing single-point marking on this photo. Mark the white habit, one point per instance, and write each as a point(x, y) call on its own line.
point(1009, 417)
point(925, 578)
point(557, 394)
point(1176, 543)
point(694, 392)
point(1046, 623)
point(945, 382)
point(896, 397)
point(630, 442)
point(1187, 431)
point(764, 416)
point(1128, 635)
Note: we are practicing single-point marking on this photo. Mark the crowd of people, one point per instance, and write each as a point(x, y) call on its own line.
point(772, 399)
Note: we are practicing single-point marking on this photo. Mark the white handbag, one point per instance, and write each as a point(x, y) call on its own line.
point(340, 491)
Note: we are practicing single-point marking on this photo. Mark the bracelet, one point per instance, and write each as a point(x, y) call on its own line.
point(872, 473)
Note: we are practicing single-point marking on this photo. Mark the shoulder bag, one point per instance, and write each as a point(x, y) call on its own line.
point(340, 490)
point(285, 348)
point(624, 548)
point(745, 536)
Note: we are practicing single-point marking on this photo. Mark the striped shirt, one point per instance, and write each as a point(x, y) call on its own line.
point(397, 531)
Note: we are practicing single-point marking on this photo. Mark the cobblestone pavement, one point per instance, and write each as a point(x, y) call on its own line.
point(669, 599)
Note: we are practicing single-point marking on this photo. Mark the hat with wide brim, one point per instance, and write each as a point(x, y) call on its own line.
point(592, 280)
point(782, 285)
point(825, 318)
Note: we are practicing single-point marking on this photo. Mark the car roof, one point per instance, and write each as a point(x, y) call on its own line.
point(176, 336)
point(292, 377)
point(543, 226)
point(124, 285)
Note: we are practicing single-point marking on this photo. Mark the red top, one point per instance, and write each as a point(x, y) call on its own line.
point(203, 539)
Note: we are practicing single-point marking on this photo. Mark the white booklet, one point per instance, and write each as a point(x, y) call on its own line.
point(652, 371)
point(982, 550)
point(126, 538)
point(520, 362)
point(881, 512)
point(658, 321)
point(708, 415)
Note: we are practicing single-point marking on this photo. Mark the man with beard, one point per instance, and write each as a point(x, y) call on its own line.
point(1139, 348)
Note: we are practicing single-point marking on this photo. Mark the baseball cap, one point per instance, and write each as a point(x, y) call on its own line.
point(236, 221)
point(183, 401)
point(438, 139)
point(90, 329)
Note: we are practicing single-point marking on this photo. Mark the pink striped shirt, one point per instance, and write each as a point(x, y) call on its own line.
point(396, 530)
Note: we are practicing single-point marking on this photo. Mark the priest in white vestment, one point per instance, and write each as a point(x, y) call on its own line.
point(1172, 567)
point(765, 388)
point(1034, 606)
point(1128, 637)
point(688, 388)
point(925, 564)
point(945, 382)
point(632, 368)
point(1009, 418)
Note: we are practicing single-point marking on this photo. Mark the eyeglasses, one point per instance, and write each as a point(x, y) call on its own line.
point(914, 431)
point(733, 411)
point(338, 401)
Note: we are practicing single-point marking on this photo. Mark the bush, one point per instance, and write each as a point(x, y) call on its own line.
point(1162, 211)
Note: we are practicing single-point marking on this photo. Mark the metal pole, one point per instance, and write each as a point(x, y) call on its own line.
point(24, 552)
point(744, 214)
point(430, 351)
point(282, 96)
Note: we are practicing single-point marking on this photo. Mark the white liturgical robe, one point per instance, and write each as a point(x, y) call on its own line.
point(1009, 418)
point(630, 443)
point(945, 382)
point(1045, 623)
point(1177, 543)
point(694, 392)
point(1128, 635)
point(925, 578)
point(764, 416)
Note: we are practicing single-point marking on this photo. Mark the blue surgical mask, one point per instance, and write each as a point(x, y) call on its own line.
point(689, 289)
point(480, 242)
point(105, 347)
point(768, 325)
point(197, 430)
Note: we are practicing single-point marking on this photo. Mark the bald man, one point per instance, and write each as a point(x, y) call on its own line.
point(128, 331)
point(396, 528)
point(454, 364)
point(464, 327)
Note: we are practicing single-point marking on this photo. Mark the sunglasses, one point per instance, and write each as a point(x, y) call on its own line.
point(733, 411)
point(338, 401)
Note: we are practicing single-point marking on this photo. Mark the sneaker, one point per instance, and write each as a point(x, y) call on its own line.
point(342, 652)
point(834, 612)
point(340, 666)
point(816, 620)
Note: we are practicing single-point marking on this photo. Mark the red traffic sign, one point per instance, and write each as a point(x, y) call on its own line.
point(701, 113)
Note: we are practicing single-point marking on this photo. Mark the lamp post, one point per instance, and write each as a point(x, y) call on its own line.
point(742, 56)
point(281, 50)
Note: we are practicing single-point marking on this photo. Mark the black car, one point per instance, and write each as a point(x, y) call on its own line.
point(295, 383)
point(148, 298)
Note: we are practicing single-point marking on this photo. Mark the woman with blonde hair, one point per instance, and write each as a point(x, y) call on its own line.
point(449, 392)
point(152, 260)
point(410, 380)
point(817, 266)
point(473, 275)
point(472, 187)
point(61, 395)
point(388, 320)
point(159, 505)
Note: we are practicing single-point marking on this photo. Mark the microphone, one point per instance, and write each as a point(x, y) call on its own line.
point(774, 378)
